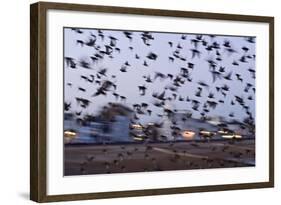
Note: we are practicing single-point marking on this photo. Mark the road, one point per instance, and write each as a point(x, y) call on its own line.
point(102, 159)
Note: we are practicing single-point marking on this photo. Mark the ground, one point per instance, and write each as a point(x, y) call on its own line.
point(102, 159)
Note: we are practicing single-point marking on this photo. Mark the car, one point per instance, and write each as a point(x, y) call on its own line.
point(188, 134)
point(206, 134)
point(232, 136)
point(69, 135)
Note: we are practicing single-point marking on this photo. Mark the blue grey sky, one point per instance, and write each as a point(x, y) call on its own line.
point(128, 82)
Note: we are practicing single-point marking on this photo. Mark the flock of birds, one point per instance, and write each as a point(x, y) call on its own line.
point(206, 72)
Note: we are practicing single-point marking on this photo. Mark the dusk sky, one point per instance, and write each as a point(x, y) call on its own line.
point(127, 82)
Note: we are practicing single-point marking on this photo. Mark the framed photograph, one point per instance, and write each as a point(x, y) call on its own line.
point(134, 102)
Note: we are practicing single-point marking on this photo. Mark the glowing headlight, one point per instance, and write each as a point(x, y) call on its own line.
point(188, 134)
point(232, 136)
point(68, 133)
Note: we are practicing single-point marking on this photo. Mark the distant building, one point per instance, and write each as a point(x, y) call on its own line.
point(166, 128)
point(241, 129)
point(119, 129)
point(112, 125)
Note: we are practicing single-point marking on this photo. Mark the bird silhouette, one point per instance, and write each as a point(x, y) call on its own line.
point(81, 89)
point(123, 69)
point(77, 30)
point(84, 64)
point(215, 75)
point(228, 76)
point(67, 106)
point(142, 89)
point(195, 53)
point(145, 64)
point(70, 62)
point(250, 39)
point(80, 42)
point(152, 56)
